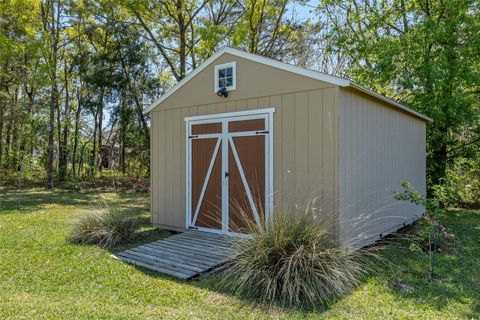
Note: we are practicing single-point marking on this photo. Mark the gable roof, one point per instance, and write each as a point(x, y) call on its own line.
point(286, 67)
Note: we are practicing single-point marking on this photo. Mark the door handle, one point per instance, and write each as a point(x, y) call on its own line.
point(226, 174)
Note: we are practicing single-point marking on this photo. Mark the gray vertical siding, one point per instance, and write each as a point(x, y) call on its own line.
point(379, 147)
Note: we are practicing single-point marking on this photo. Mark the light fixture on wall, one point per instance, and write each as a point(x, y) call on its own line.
point(222, 92)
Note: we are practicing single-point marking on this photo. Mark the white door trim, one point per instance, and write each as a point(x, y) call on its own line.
point(225, 195)
point(225, 137)
point(230, 114)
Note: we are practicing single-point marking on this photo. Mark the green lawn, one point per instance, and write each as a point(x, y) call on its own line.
point(43, 277)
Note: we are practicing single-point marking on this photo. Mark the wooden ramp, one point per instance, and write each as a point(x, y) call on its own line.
point(183, 255)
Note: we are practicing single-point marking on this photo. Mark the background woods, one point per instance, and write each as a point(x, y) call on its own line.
point(422, 53)
point(76, 75)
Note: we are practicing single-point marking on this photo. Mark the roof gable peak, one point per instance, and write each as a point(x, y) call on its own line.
point(341, 82)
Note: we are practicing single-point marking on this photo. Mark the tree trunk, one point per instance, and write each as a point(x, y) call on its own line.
point(100, 131)
point(136, 98)
point(75, 136)
point(447, 99)
point(8, 138)
point(1, 130)
point(1, 121)
point(94, 149)
point(122, 152)
point(51, 23)
point(123, 129)
point(15, 144)
point(59, 139)
point(25, 144)
point(182, 29)
point(15, 117)
point(141, 115)
point(80, 163)
point(53, 103)
point(63, 158)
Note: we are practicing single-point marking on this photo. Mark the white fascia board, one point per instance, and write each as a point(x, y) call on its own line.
point(256, 58)
point(230, 114)
point(182, 82)
point(287, 67)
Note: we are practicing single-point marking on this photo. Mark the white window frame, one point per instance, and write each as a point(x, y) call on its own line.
point(266, 114)
point(233, 65)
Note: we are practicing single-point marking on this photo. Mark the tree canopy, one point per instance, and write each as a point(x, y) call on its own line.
point(75, 76)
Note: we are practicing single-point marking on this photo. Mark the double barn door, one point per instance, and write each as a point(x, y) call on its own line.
point(228, 172)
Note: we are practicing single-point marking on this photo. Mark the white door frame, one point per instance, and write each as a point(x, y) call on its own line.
point(225, 139)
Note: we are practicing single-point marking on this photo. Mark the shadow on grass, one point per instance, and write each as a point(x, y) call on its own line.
point(32, 200)
point(209, 281)
point(457, 270)
point(145, 235)
point(458, 275)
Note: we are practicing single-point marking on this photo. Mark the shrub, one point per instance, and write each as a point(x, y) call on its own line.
point(422, 238)
point(106, 226)
point(462, 183)
point(74, 184)
point(294, 262)
point(431, 236)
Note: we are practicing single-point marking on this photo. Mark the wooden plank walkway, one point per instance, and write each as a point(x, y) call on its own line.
point(184, 255)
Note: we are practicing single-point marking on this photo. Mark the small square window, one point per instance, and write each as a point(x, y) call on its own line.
point(225, 75)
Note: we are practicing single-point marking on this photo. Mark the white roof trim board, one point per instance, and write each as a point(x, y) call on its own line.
point(282, 66)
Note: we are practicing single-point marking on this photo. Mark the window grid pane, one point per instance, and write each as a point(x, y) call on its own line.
point(225, 77)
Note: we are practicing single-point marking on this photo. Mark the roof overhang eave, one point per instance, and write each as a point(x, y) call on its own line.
point(341, 82)
point(390, 101)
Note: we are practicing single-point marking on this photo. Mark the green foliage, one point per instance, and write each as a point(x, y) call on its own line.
point(294, 262)
point(74, 184)
point(422, 237)
point(262, 30)
point(422, 53)
point(113, 58)
point(68, 66)
point(462, 184)
point(409, 194)
point(106, 225)
point(435, 234)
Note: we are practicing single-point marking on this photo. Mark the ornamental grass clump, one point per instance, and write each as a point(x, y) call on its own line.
point(294, 262)
point(105, 225)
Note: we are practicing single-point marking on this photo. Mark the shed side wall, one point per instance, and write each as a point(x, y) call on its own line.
point(305, 134)
point(379, 147)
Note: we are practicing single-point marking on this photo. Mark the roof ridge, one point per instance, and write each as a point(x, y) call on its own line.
point(341, 82)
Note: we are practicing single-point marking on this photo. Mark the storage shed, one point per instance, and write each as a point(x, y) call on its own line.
point(247, 133)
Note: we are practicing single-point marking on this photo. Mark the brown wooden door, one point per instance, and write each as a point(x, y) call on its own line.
point(246, 185)
point(228, 175)
point(206, 176)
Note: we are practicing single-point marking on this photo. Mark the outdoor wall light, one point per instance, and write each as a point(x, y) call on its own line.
point(222, 92)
